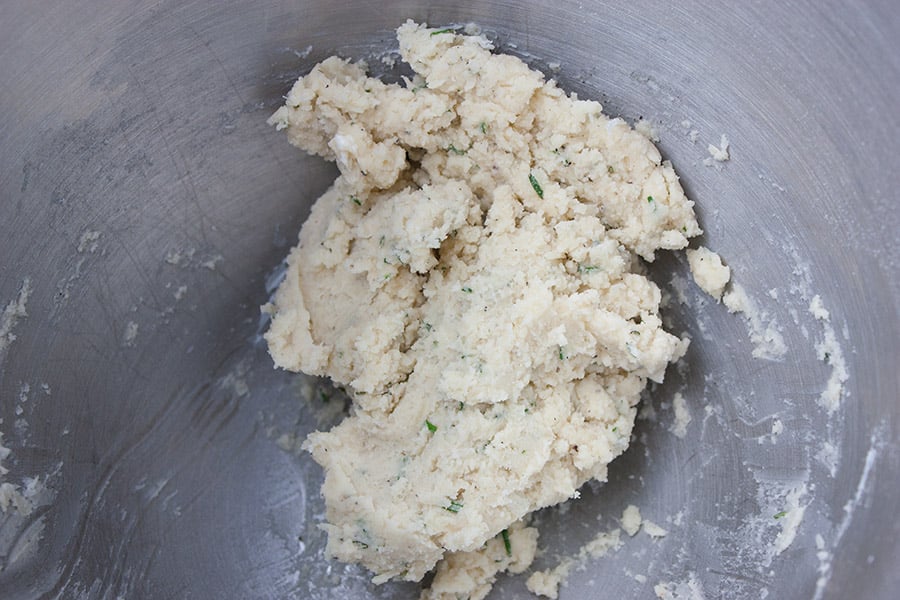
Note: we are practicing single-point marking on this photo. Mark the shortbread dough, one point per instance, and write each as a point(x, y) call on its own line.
point(473, 281)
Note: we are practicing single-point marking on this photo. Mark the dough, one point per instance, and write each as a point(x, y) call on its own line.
point(708, 271)
point(472, 279)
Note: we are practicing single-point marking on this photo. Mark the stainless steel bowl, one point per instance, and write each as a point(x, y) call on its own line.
point(148, 205)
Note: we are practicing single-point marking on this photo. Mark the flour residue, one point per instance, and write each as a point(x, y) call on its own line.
point(15, 311)
point(88, 242)
point(689, 589)
point(764, 330)
point(829, 350)
point(824, 550)
point(130, 334)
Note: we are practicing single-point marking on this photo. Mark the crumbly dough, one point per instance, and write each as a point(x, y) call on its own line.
point(472, 279)
point(708, 271)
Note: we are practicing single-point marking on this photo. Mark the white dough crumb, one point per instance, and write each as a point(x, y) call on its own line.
point(180, 292)
point(694, 135)
point(547, 582)
point(719, 153)
point(130, 334)
point(790, 518)
point(765, 333)
point(777, 427)
point(708, 271)
point(631, 520)
point(682, 416)
point(654, 530)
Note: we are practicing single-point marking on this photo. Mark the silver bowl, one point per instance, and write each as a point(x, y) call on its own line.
point(146, 207)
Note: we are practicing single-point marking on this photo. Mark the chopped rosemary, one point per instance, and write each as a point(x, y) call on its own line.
point(610, 169)
point(779, 515)
point(431, 426)
point(455, 150)
point(467, 289)
point(483, 127)
point(440, 31)
point(362, 545)
point(455, 506)
point(355, 200)
point(506, 544)
point(537, 186)
point(649, 198)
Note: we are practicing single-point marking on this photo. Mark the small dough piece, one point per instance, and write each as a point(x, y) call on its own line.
point(473, 280)
point(631, 520)
point(682, 416)
point(710, 274)
point(654, 530)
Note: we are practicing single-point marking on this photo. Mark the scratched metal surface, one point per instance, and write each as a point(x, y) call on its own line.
point(144, 122)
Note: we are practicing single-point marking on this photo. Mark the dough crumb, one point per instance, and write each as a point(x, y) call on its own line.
point(719, 153)
point(654, 530)
point(631, 520)
point(790, 518)
point(547, 582)
point(777, 427)
point(708, 271)
point(682, 416)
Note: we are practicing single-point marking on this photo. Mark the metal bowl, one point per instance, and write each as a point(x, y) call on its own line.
point(146, 207)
